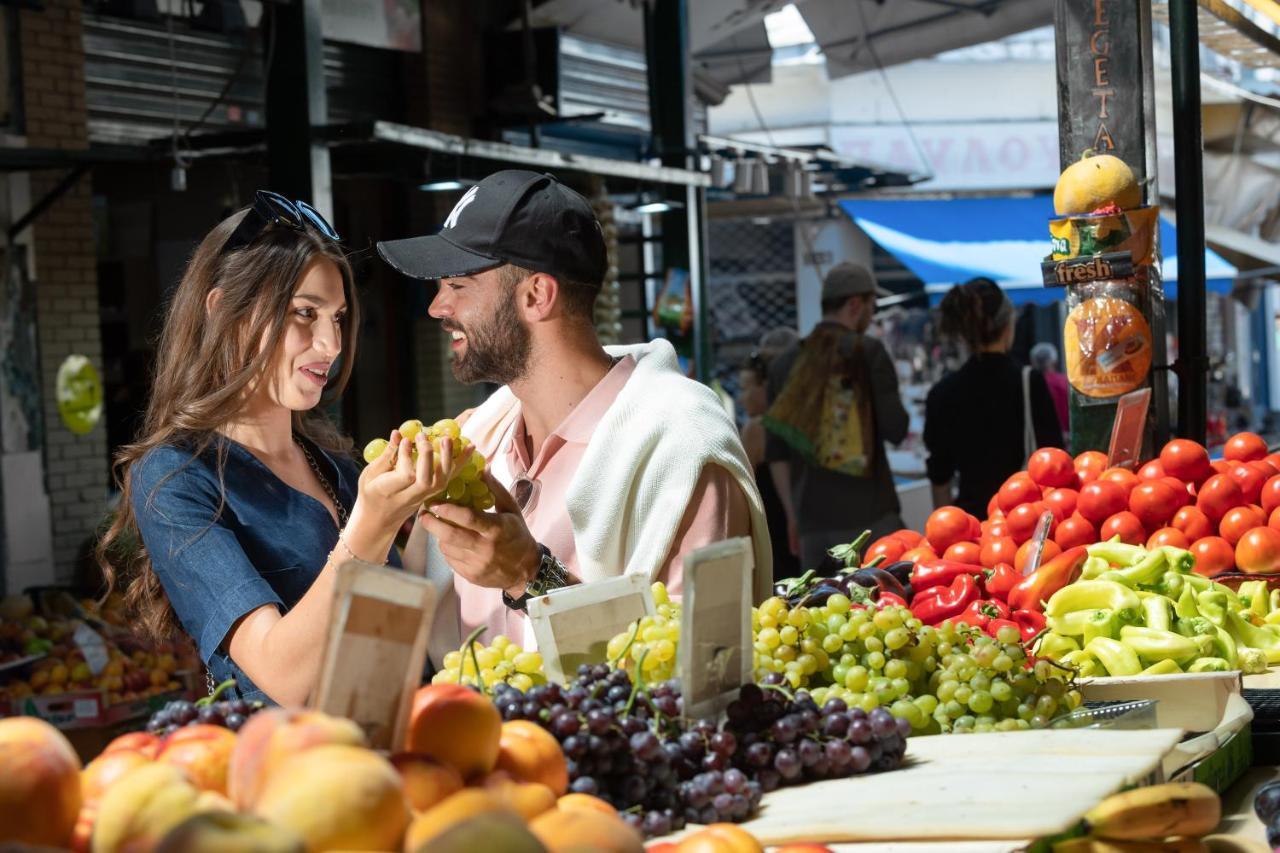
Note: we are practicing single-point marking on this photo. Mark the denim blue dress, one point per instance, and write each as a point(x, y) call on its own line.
point(222, 552)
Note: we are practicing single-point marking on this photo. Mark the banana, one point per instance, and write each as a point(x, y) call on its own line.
point(1157, 811)
point(1090, 844)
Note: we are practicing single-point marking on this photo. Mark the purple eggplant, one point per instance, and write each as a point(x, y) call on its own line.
point(879, 579)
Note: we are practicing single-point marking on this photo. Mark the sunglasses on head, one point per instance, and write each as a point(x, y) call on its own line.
point(274, 210)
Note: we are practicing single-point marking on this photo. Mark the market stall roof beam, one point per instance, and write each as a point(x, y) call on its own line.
point(1228, 33)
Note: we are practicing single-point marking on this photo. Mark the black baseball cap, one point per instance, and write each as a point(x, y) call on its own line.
point(514, 217)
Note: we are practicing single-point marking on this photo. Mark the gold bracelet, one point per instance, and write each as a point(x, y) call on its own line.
point(352, 554)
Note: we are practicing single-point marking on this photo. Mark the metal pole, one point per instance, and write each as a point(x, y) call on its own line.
point(1193, 364)
point(297, 160)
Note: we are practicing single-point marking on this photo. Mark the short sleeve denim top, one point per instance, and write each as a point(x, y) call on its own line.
point(267, 545)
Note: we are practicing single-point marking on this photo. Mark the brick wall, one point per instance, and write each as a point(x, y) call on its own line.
point(64, 267)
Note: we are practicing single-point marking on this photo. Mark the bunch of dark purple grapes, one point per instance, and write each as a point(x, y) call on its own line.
point(785, 740)
point(229, 714)
point(626, 746)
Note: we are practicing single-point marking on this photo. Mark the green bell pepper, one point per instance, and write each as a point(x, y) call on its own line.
point(1210, 665)
point(1171, 585)
point(1184, 606)
point(1195, 626)
point(1162, 667)
point(1115, 656)
point(1224, 646)
point(1245, 633)
point(1092, 595)
point(1214, 606)
point(1146, 571)
point(1118, 553)
point(1254, 596)
point(1093, 567)
point(1055, 646)
point(1157, 612)
point(1153, 645)
point(1105, 623)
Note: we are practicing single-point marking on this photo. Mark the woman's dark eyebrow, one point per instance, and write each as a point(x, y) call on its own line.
point(316, 300)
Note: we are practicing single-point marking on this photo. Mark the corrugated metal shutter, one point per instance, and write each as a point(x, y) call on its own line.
point(130, 74)
point(597, 77)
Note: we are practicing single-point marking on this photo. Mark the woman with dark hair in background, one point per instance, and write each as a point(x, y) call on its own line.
point(754, 396)
point(985, 419)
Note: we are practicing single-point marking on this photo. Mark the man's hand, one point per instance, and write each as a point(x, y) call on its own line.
point(490, 549)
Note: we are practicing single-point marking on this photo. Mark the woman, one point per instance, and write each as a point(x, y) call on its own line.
point(976, 418)
point(243, 500)
point(753, 382)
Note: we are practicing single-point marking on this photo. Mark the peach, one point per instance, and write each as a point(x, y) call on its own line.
point(569, 802)
point(272, 736)
point(426, 782)
point(141, 807)
point(82, 835)
point(530, 753)
point(103, 771)
point(203, 752)
point(144, 742)
point(39, 783)
point(720, 838)
point(337, 797)
point(457, 726)
point(464, 805)
point(577, 829)
point(529, 799)
point(226, 832)
point(484, 833)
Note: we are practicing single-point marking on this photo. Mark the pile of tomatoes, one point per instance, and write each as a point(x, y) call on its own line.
point(1226, 512)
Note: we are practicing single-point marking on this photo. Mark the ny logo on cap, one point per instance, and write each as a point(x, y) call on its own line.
point(466, 199)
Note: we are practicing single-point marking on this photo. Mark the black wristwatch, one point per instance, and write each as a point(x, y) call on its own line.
point(551, 576)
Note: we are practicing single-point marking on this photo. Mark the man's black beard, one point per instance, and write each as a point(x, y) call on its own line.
point(497, 351)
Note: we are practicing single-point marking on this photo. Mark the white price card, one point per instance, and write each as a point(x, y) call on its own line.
point(715, 656)
point(376, 649)
point(573, 625)
point(92, 646)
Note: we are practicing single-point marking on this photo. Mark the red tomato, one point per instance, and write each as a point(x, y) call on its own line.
point(1171, 536)
point(1258, 552)
point(889, 547)
point(909, 537)
point(1183, 490)
point(920, 552)
point(946, 526)
point(1244, 447)
point(964, 552)
point(1051, 550)
point(1273, 521)
point(1186, 460)
point(1154, 503)
point(993, 505)
point(1100, 500)
point(1017, 490)
point(1126, 478)
point(1239, 521)
point(1265, 468)
point(975, 528)
point(1214, 555)
point(1023, 520)
point(1270, 497)
point(1125, 525)
point(1219, 494)
point(1052, 467)
point(1076, 530)
point(1249, 479)
point(1062, 502)
point(1090, 465)
point(1194, 523)
point(1274, 459)
point(998, 550)
point(1153, 470)
point(1220, 466)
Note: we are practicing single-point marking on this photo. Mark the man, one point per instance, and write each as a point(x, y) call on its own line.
point(602, 462)
point(835, 402)
point(1044, 358)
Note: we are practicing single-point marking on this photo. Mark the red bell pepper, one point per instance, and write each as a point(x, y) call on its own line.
point(940, 603)
point(994, 626)
point(1001, 580)
point(980, 612)
point(1035, 589)
point(928, 574)
point(886, 598)
point(1030, 622)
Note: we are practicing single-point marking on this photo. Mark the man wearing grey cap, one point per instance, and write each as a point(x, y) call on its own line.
point(835, 402)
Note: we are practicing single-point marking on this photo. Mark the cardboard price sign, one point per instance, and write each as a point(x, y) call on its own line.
point(573, 625)
point(376, 649)
point(715, 655)
point(1126, 434)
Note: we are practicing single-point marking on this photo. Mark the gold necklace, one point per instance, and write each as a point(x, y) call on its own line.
point(324, 484)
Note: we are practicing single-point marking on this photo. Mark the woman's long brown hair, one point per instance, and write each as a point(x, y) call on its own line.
point(206, 361)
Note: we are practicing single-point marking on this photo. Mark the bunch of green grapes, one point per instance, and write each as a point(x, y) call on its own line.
point(651, 641)
point(502, 661)
point(941, 679)
point(467, 486)
point(787, 642)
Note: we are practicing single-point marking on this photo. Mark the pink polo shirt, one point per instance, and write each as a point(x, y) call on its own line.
point(717, 509)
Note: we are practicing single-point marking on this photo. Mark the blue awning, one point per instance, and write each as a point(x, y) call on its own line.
point(947, 241)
